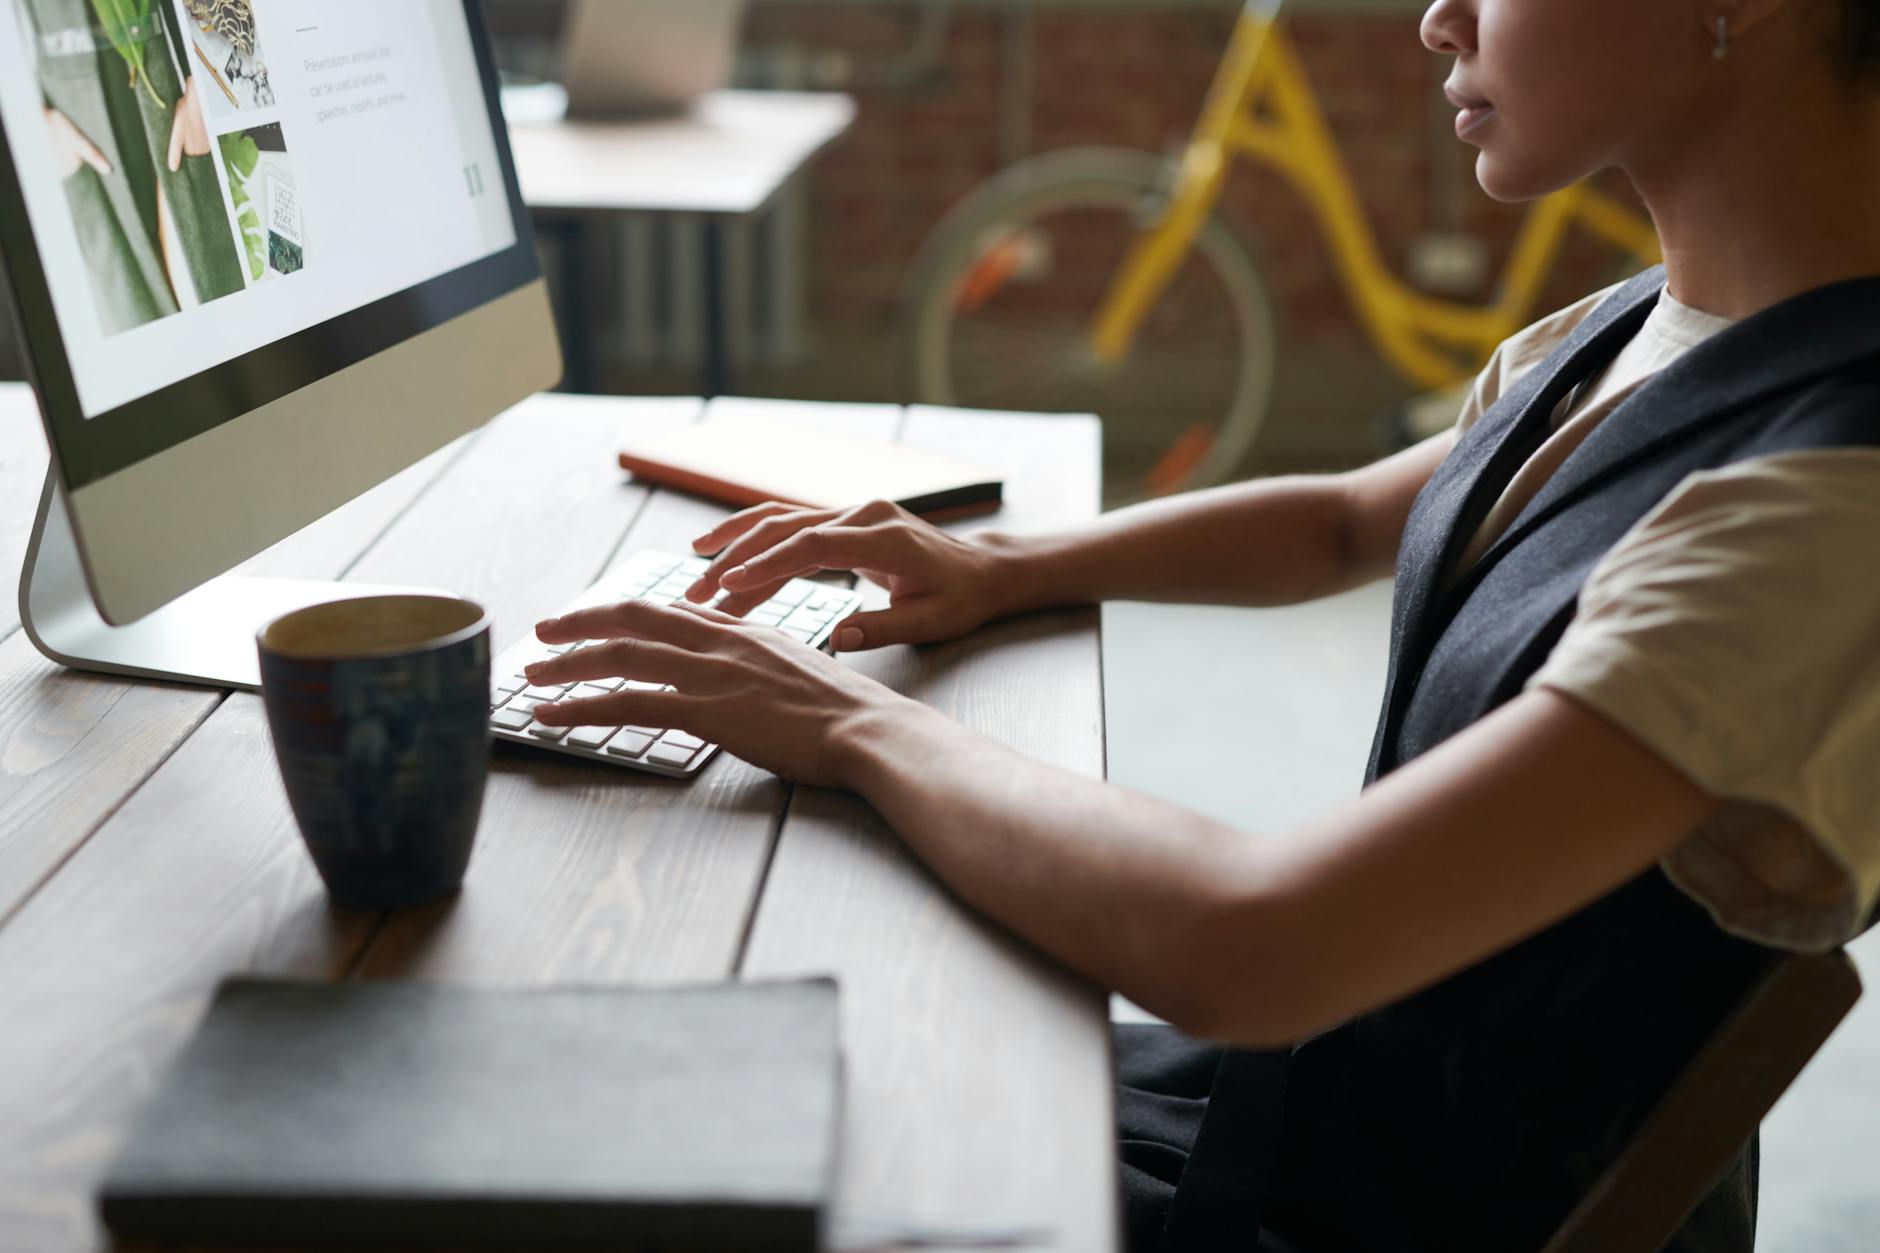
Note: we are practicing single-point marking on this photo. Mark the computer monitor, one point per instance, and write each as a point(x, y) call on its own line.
point(266, 253)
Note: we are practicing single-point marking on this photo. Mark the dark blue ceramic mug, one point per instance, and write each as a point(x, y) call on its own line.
point(379, 709)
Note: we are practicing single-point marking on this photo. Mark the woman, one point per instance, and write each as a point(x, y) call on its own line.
point(1634, 699)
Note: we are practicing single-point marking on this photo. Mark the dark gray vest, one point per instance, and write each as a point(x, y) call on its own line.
point(1474, 1115)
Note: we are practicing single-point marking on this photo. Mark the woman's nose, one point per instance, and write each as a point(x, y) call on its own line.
point(1449, 27)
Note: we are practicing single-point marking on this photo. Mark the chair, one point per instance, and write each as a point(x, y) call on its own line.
point(1719, 1100)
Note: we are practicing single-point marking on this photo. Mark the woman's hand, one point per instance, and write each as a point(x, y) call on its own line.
point(70, 148)
point(940, 585)
point(763, 696)
point(189, 134)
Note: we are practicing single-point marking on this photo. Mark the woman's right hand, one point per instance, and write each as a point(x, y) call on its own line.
point(70, 148)
point(940, 585)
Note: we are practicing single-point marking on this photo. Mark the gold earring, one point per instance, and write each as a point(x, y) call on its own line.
point(1722, 49)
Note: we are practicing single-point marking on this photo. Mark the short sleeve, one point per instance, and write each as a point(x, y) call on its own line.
point(1521, 352)
point(1735, 631)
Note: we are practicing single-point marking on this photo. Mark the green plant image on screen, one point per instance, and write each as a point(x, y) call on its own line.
point(119, 102)
point(241, 155)
point(267, 209)
point(125, 23)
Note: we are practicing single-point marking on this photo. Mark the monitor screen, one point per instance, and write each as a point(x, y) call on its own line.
point(225, 200)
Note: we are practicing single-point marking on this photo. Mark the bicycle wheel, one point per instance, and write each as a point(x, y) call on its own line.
point(1001, 305)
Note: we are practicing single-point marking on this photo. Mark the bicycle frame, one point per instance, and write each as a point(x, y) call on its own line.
point(1261, 106)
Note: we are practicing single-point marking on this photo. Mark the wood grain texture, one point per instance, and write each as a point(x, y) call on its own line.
point(979, 1080)
point(74, 745)
point(978, 1071)
point(106, 970)
point(126, 924)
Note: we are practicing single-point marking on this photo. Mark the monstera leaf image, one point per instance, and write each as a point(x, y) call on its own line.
point(241, 154)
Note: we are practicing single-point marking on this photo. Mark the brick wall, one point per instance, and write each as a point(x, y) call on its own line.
point(1135, 79)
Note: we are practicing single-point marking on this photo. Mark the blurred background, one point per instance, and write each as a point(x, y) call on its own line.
point(951, 92)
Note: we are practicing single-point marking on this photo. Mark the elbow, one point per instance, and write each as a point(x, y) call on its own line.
point(1245, 979)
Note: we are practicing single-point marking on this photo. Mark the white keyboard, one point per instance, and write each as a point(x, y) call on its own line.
point(803, 610)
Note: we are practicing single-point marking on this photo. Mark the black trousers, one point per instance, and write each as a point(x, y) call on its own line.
point(1195, 1182)
point(1188, 1182)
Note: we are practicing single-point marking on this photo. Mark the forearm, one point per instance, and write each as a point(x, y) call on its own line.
point(1484, 840)
point(1119, 886)
point(1267, 542)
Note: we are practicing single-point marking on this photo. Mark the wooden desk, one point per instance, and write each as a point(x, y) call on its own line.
point(146, 848)
point(727, 158)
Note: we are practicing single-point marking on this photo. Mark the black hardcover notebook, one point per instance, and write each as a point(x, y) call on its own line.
point(698, 1117)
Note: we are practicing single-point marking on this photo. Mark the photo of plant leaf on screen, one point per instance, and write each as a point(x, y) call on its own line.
point(131, 147)
point(267, 212)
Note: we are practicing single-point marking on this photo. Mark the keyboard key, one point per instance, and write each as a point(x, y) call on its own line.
point(546, 692)
point(641, 685)
point(650, 732)
point(590, 737)
point(805, 619)
point(693, 566)
point(630, 742)
point(511, 719)
point(608, 685)
point(793, 593)
point(763, 615)
point(671, 754)
point(682, 739)
point(523, 702)
point(551, 734)
point(799, 633)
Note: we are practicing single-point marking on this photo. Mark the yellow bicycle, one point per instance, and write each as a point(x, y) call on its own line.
point(1103, 280)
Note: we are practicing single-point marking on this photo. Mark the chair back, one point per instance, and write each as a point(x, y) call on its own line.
point(1713, 1108)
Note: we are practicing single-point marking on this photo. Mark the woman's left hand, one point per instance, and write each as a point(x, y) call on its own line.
point(776, 703)
point(189, 134)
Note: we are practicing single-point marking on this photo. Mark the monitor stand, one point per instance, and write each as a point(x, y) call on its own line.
point(205, 636)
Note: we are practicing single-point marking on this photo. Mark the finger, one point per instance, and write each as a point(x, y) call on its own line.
point(176, 140)
point(912, 623)
point(765, 534)
point(624, 659)
point(711, 613)
point(639, 618)
point(738, 523)
point(628, 708)
point(88, 153)
point(817, 548)
point(742, 603)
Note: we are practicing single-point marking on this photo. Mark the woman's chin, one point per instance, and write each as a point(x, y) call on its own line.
point(1512, 182)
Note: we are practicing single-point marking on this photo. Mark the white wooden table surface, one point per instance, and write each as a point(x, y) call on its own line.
point(728, 156)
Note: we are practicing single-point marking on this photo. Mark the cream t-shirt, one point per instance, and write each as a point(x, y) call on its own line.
point(1735, 631)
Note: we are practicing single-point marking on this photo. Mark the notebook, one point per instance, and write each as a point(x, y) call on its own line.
point(576, 1117)
point(747, 455)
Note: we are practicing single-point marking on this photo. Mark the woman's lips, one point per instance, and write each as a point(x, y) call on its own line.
point(1472, 119)
point(1472, 113)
